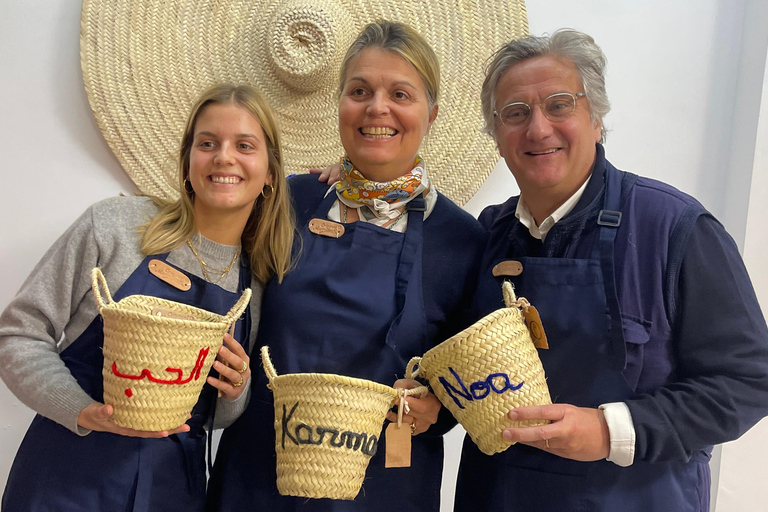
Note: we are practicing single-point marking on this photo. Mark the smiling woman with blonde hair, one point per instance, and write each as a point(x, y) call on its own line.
point(230, 230)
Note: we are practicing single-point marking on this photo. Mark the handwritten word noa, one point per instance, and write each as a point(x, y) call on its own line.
point(480, 389)
point(304, 434)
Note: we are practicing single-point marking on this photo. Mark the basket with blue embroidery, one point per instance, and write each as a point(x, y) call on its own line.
point(157, 355)
point(327, 428)
point(485, 371)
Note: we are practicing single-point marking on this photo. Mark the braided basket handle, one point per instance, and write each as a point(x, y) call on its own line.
point(269, 369)
point(239, 307)
point(99, 282)
point(510, 299)
point(415, 362)
point(401, 393)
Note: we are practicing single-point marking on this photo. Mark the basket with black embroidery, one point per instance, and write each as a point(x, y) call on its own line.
point(327, 428)
point(157, 354)
point(485, 371)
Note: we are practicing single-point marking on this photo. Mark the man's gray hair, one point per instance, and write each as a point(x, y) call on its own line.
point(573, 45)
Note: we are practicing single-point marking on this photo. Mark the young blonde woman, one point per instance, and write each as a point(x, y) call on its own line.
point(231, 229)
point(363, 304)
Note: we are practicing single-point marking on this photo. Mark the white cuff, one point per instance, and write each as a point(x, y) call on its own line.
point(622, 433)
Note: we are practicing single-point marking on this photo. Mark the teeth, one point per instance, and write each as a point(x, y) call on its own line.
point(544, 152)
point(378, 132)
point(225, 179)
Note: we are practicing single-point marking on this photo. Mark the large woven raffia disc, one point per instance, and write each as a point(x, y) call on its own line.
point(144, 63)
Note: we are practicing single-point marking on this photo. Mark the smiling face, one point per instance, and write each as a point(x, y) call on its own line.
point(384, 114)
point(550, 160)
point(228, 162)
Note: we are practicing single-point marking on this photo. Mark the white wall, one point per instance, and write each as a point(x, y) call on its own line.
point(685, 79)
point(743, 461)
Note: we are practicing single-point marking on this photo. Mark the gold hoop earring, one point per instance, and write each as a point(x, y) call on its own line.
point(188, 187)
point(271, 191)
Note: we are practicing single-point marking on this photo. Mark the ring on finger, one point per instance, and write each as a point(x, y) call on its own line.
point(238, 384)
point(244, 368)
point(413, 428)
point(546, 442)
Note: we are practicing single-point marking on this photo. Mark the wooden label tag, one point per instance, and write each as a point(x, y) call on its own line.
point(398, 446)
point(509, 268)
point(170, 275)
point(535, 327)
point(167, 313)
point(327, 228)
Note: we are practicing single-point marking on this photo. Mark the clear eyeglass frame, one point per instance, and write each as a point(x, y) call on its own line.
point(556, 107)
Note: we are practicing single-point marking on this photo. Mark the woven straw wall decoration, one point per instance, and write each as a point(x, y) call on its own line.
point(144, 63)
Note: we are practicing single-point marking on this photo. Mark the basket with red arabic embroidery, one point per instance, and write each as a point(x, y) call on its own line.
point(157, 354)
point(485, 371)
point(327, 428)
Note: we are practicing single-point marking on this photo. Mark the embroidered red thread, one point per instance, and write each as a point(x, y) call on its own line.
point(146, 373)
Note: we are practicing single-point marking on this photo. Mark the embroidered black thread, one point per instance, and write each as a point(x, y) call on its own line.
point(305, 434)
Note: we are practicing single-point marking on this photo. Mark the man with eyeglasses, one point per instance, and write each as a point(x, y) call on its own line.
point(658, 348)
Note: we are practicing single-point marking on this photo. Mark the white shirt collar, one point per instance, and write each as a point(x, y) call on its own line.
point(540, 232)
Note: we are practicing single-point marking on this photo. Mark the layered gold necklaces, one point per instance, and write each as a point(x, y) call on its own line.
point(204, 265)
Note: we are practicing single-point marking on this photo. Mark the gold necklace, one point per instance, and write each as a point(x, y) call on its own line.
point(204, 265)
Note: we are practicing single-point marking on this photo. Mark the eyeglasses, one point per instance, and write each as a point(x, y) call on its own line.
point(557, 107)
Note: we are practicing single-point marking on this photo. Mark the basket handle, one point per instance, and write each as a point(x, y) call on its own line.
point(239, 307)
point(98, 283)
point(269, 369)
point(420, 390)
point(415, 362)
point(510, 299)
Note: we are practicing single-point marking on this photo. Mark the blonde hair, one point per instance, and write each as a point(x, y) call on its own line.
point(404, 41)
point(268, 235)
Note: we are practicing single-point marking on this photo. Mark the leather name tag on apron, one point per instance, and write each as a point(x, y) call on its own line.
point(509, 268)
point(326, 228)
point(170, 275)
point(167, 313)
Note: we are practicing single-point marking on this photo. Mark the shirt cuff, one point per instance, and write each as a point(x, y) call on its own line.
point(622, 433)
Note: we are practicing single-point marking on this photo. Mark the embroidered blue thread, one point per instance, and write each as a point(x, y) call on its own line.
point(477, 390)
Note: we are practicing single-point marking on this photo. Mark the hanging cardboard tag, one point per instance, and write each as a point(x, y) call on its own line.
point(398, 442)
point(170, 275)
point(509, 268)
point(535, 327)
point(327, 228)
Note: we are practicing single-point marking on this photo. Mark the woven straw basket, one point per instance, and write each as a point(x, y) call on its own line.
point(485, 371)
point(327, 428)
point(155, 366)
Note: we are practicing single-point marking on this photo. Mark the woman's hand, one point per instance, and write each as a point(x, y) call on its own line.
point(423, 410)
point(97, 417)
point(328, 174)
point(234, 367)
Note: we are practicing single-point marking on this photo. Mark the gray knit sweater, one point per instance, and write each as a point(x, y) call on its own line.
point(55, 305)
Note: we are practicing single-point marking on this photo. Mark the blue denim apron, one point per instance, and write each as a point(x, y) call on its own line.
point(580, 312)
point(352, 306)
point(56, 469)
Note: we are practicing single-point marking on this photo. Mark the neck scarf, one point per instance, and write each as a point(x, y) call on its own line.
point(384, 199)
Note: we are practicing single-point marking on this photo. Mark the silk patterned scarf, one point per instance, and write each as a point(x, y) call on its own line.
point(384, 199)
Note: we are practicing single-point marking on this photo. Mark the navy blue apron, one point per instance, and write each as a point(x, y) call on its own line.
point(56, 469)
point(352, 306)
point(580, 312)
